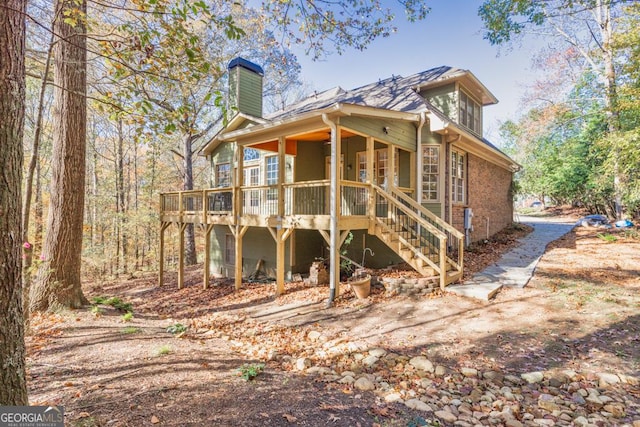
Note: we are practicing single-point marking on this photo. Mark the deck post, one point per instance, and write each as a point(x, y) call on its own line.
point(280, 261)
point(334, 205)
point(370, 180)
point(163, 227)
point(183, 226)
point(443, 263)
point(238, 233)
point(238, 179)
point(207, 255)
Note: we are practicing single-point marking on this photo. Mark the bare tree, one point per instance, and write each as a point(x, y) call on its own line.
point(12, 107)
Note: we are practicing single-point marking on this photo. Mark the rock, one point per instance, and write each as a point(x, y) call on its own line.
point(594, 402)
point(378, 352)
point(512, 422)
point(417, 404)
point(364, 384)
point(314, 335)
point(532, 377)
point(605, 379)
point(347, 379)
point(303, 363)
point(493, 376)
point(446, 416)
point(616, 410)
point(393, 397)
point(469, 372)
point(370, 361)
point(547, 402)
point(636, 423)
point(577, 398)
point(440, 371)
point(422, 363)
point(544, 422)
point(580, 421)
point(318, 370)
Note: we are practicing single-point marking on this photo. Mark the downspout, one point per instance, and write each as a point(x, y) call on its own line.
point(333, 223)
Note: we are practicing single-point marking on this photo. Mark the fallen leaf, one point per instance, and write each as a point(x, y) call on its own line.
point(333, 418)
point(68, 384)
point(155, 420)
point(290, 418)
point(84, 415)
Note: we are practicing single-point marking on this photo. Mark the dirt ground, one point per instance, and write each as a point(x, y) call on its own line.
point(580, 311)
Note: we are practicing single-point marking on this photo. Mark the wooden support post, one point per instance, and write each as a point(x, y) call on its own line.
point(391, 167)
point(238, 234)
point(238, 178)
point(371, 180)
point(281, 174)
point(280, 236)
point(183, 226)
point(443, 263)
point(163, 227)
point(207, 254)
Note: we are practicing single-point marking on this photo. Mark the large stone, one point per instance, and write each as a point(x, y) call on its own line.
point(369, 361)
point(533, 377)
point(303, 363)
point(580, 421)
point(594, 401)
point(364, 384)
point(547, 402)
point(422, 363)
point(393, 397)
point(446, 416)
point(616, 409)
point(417, 404)
point(606, 379)
point(378, 352)
point(469, 372)
point(314, 335)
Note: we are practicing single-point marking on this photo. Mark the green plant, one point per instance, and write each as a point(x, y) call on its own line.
point(250, 371)
point(96, 310)
point(127, 317)
point(163, 350)
point(130, 330)
point(346, 265)
point(114, 302)
point(609, 238)
point(177, 328)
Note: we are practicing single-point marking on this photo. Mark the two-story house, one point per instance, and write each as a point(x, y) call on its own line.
point(401, 164)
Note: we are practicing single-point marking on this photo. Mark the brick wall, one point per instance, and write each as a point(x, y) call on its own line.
point(489, 195)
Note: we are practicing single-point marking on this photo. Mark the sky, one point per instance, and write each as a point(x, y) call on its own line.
point(450, 35)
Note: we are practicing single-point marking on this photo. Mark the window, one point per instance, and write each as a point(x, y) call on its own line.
point(381, 169)
point(229, 249)
point(223, 175)
point(362, 166)
point(251, 178)
point(271, 176)
point(430, 173)
point(251, 154)
point(380, 166)
point(470, 113)
point(458, 177)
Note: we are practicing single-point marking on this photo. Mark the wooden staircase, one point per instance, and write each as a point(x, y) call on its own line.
point(427, 243)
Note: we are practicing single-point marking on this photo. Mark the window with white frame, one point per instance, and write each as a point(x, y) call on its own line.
point(380, 166)
point(229, 249)
point(271, 176)
point(251, 154)
point(251, 178)
point(470, 113)
point(430, 173)
point(362, 166)
point(223, 175)
point(458, 176)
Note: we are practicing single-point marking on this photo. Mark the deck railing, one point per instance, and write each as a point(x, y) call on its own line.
point(307, 198)
point(259, 200)
point(354, 200)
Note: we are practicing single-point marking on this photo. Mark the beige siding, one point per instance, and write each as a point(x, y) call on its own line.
point(444, 98)
point(246, 92)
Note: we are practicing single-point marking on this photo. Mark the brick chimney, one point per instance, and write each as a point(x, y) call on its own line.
point(245, 88)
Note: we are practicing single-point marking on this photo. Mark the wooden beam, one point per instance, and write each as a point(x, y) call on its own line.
point(238, 233)
point(281, 174)
point(280, 256)
point(207, 255)
point(370, 153)
point(181, 257)
point(163, 227)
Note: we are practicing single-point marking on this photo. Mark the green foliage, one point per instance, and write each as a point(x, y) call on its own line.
point(164, 350)
point(129, 330)
point(505, 19)
point(96, 310)
point(127, 317)
point(250, 371)
point(609, 238)
point(114, 302)
point(177, 328)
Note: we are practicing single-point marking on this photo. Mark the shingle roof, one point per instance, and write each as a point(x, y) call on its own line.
point(396, 93)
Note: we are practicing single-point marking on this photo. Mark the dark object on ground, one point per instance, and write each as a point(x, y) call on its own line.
point(594, 221)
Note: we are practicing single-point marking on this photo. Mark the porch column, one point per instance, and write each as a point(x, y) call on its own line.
point(237, 183)
point(183, 226)
point(391, 166)
point(334, 206)
point(280, 233)
point(369, 179)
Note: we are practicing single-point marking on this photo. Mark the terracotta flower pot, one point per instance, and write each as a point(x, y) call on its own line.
point(361, 286)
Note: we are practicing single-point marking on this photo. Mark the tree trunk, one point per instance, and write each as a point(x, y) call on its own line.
point(58, 281)
point(28, 187)
point(190, 256)
point(12, 107)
